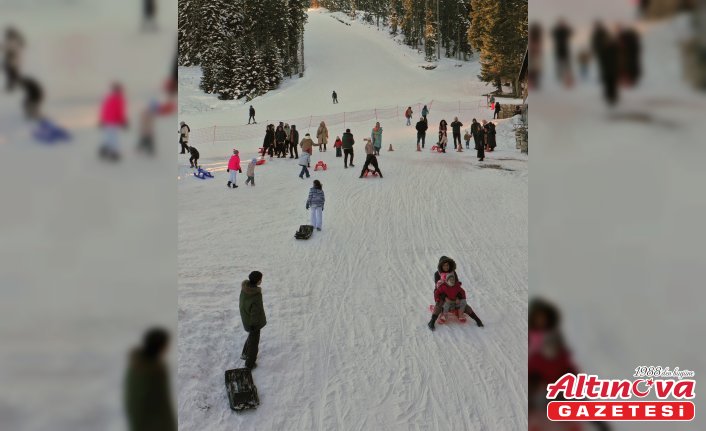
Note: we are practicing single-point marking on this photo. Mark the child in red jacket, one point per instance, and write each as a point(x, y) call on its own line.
point(337, 145)
point(449, 291)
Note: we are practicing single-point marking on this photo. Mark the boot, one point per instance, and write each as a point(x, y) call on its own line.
point(228, 184)
point(475, 317)
point(432, 322)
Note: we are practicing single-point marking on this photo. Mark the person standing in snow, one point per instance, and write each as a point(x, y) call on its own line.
point(148, 404)
point(337, 145)
point(184, 131)
point(443, 126)
point(425, 112)
point(478, 133)
point(280, 137)
point(562, 52)
point(496, 111)
point(233, 168)
point(334, 96)
point(112, 118)
point(456, 128)
point(252, 314)
point(444, 268)
point(12, 47)
point(149, 11)
point(408, 115)
point(304, 161)
point(146, 141)
point(322, 136)
point(307, 144)
point(347, 144)
point(268, 145)
point(34, 94)
point(316, 201)
point(376, 137)
point(490, 135)
point(287, 134)
point(194, 159)
point(252, 115)
point(421, 132)
point(251, 172)
point(467, 138)
point(293, 142)
point(370, 159)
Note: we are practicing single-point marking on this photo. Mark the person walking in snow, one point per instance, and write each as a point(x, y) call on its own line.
point(307, 144)
point(293, 142)
point(184, 131)
point(304, 161)
point(268, 145)
point(315, 202)
point(334, 96)
point(425, 112)
point(252, 314)
point(34, 95)
point(496, 111)
point(322, 136)
point(421, 127)
point(370, 159)
point(376, 137)
point(194, 159)
point(252, 115)
point(408, 115)
point(445, 268)
point(233, 168)
point(490, 136)
point(562, 51)
point(347, 144)
point(478, 133)
point(112, 118)
point(12, 57)
point(251, 173)
point(280, 137)
point(456, 128)
point(337, 145)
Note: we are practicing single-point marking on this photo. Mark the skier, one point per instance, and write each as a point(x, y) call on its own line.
point(194, 159)
point(347, 144)
point(334, 96)
point(233, 167)
point(251, 172)
point(477, 131)
point(562, 34)
point(376, 137)
point(184, 137)
point(490, 136)
point(293, 142)
point(316, 201)
point(322, 136)
point(252, 115)
point(33, 97)
point(147, 395)
point(421, 131)
point(337, 145)
point(408, 115)
point(456, 128)
point(370, 159)
point(425, 112)
point(14, 43)
point(268, 145)
point(304, 161)
point(252, 313)
point(280, 137)
point(112, 117)
point(496, 111)
point(149, 10)
point(446, 267)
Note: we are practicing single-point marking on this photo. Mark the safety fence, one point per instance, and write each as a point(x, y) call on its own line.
point(214, 134)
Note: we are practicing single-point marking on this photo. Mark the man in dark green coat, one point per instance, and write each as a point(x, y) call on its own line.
point(252, 313)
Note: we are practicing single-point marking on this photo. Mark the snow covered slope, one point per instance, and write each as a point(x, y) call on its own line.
point(346, 345)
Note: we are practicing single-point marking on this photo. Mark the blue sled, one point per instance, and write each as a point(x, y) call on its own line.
point(50, 133)
point(202, 174)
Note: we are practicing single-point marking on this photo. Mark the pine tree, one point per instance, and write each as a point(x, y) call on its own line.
point(431, 35)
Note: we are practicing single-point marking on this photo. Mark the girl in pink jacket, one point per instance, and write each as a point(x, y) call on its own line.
point(233, 167)
point(112, 117)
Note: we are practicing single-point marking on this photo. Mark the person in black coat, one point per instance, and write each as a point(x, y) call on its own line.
point(149, 11)
point(562, 53)
point(33, 97)
point(194, 159)
point(280, 137)
point(456, 128)
point(496, 112)
point(421, 127)
point(490, 135)
point(334, 96)
point(269, 141)
point(252, 115)
point(478, 132)
point(447, 265)
point(629, 56)
point(609, 69)
point(293, 142)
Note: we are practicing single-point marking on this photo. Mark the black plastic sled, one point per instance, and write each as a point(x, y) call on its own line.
point(304, 231)
point(242, 392)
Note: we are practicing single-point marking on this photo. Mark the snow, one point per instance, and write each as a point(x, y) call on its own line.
point(346, 345)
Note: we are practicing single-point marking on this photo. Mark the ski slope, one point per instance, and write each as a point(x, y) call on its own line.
point(346, 346)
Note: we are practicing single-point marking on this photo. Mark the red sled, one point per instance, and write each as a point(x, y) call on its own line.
point(260, 162)
point(320, 164)
point(454, 313)
point(373, 173)
point(436, 148)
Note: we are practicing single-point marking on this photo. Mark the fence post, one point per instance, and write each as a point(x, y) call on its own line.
point(310, 118)
point(376, 114)
point(344, 119)
point(214, 136)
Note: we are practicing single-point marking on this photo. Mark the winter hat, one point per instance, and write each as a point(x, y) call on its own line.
point(254, 278)
point(443, 260)
point(182, 123)
point(253, 160)
point(348, 130)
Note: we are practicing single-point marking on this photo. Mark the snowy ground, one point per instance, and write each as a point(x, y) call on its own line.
point(346, 345)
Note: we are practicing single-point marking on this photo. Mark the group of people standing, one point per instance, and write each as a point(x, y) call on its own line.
point(482, 134)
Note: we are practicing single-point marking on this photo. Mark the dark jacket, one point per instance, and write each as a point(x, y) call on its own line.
point(147, 397)
point(421, 127)
point(194, 152)
point(497, 106)
point(252, 111)
point(252, 311)
point(456, 127)
point(294, 136)
point(348, 141)
point(452, 268)
point(280, 135)
point(475, 128)
point(269, 138)
point(490, 134)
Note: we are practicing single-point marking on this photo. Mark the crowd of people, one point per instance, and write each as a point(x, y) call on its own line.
point(483, 135)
